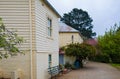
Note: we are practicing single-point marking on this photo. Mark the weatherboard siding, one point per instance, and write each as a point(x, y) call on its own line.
point(28, 18)
point(15, 15)
point(45, 43)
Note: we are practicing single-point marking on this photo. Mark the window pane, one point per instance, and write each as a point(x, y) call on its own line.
point(49, 22)
point(49, 27)
point(49, 60)
point(49, 32)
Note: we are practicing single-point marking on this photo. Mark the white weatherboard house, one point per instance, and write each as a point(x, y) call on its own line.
point(37, 22)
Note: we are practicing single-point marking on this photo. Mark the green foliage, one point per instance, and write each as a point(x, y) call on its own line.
point(80, 50)
point(116, 65)
point(110, 43)
point(62, 48)
point(68, 65)
point(81, 21)
point(102, 58)
point(115, 57)
point(61, 66)
point(8, 42)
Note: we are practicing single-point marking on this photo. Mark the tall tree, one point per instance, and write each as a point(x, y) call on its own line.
point(81, 21)
point(9, 42)
point(110, 43)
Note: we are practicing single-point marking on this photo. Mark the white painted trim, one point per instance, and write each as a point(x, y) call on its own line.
point(30, 20)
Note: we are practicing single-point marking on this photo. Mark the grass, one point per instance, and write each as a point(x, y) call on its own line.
point(116, 66)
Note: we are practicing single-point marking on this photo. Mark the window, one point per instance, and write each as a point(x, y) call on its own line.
point(49, 60)
point(49, 27)
point(72, 38)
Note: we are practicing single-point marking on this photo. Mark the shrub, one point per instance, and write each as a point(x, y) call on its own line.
point(61, 66)
point(102, 58)
point(115, 57)
point(68, 65)
point(80, 51)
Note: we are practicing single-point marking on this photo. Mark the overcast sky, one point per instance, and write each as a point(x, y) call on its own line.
point(105, 13)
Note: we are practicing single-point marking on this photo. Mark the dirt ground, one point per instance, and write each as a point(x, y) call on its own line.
point(93, 70)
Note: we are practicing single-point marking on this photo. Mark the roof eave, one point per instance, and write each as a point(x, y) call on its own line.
point(50, 6)
point(68, 32)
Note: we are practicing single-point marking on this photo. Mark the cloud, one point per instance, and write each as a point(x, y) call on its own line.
point(103, 12)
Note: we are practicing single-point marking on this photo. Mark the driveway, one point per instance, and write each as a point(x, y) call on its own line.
point(93, 70)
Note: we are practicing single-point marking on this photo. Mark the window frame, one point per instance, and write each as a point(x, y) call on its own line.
point(49, 60)
point(49, 27)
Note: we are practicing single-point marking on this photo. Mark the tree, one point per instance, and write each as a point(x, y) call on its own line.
point(109, 43)
point(81, 21)
point(8, 42)
point(80, 51)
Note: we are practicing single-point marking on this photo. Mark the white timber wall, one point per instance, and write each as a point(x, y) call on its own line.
point(45, 45)
point(43, 41)
point(15, 15)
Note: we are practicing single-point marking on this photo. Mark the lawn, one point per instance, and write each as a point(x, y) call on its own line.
point(116, 66)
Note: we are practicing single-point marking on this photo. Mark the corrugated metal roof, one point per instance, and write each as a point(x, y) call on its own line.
point(66, 28)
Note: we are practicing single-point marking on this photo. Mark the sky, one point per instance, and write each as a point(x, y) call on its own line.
point(105, 13)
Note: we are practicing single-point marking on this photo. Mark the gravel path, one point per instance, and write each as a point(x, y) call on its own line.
point(93, 70)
